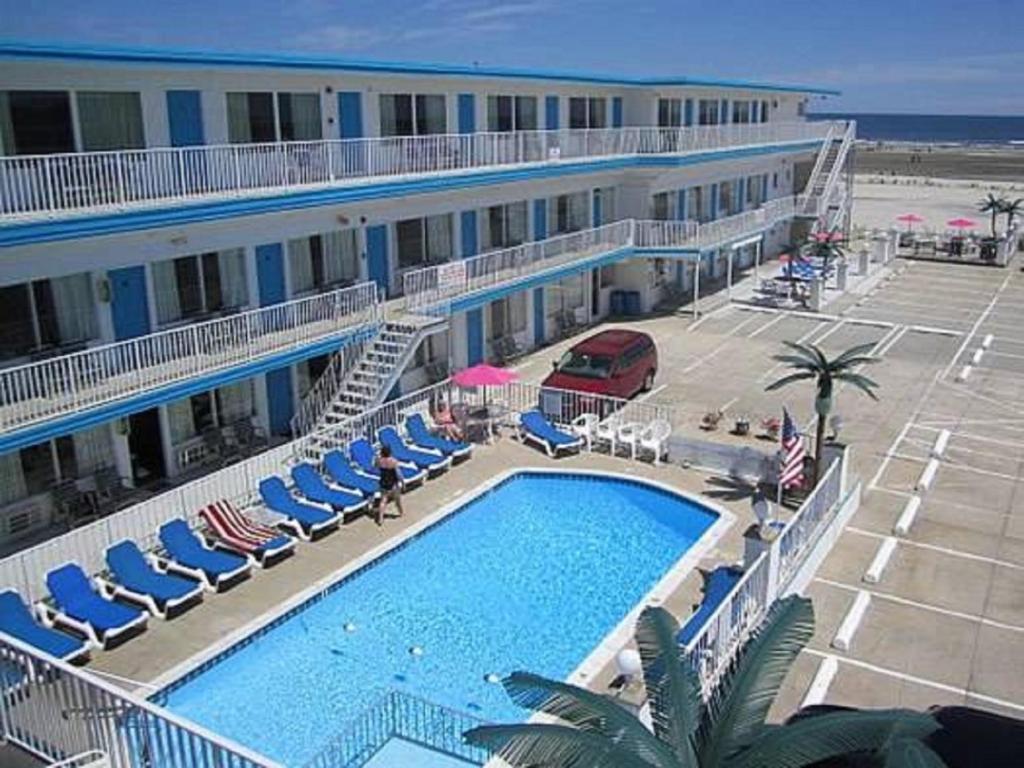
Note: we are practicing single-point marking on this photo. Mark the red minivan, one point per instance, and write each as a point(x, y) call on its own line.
point(616, 363)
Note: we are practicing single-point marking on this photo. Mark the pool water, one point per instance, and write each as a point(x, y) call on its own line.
point(530, 575)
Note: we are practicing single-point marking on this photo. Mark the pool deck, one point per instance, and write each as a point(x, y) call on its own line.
point(945, 621)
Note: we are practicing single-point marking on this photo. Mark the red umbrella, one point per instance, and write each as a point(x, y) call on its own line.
point(961, 224)
point(910, 219)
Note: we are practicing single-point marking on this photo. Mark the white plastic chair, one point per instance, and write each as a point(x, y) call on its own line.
point(629, 434)
point(585, 426)
point(607, 431)
point(655, 438)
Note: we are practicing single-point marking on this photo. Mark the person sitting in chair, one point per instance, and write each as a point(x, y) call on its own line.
point(446, 422)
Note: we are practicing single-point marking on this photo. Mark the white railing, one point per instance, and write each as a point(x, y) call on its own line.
point(717, 233)
point(716, 645)
point(43, 185)
point(25, 571)
point(665, 234)
point(322, 393)
point(46, 389)
point(54, 710)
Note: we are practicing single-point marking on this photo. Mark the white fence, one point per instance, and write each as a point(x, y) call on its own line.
point(43, 390)
point(44, 185)
point(55, 710)
point(716, 645)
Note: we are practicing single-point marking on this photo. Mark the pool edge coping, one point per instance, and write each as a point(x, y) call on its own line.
point(600, 655)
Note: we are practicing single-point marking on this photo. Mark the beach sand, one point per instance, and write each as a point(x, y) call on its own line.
point(941, 162)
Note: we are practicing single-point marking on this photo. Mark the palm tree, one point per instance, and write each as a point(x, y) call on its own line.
point(827, 246)
point(727, 731)
point(994, 206)
point(810, 363)
point(1012, 209)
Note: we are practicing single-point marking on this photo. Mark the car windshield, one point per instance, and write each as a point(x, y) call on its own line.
point(582, 364)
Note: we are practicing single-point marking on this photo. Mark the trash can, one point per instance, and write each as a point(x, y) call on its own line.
point(618, 303)
point(633, 303)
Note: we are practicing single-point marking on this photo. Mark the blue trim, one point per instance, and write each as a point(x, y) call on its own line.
point(538, 316)
point(14, 49)
point(551, 113)
point(350, 115)
point(616, 112)
point(681, 205)
point(688, 112)
point(185, 118)
point(714, 201)
point(469, 240)
point(474, 336)
point(280, 400)
point(129, 302)
point(540, 219)
point(467, 113)
point(174, 215)
point(91, 417)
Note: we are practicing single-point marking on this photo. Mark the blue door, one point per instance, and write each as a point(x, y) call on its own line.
point(129, 307)
point(597, 208)
point(350, 115)
point(681, 205)
point(475, 336)
point(467, 113)
point(377, 255)
point(688, 114)
point(551, 113)
point(469, 241)
point(723, 117)
point(538, 316)
point(280, 404)
point(270, 273)
point(714, 202)
point(617, 112)
point(540, 219)
point(185, 118)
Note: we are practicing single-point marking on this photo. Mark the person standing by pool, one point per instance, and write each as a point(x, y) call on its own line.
point(390, 483)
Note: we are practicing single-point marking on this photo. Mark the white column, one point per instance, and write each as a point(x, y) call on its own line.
point(122, 452)
point(757, 261)
point(696, 288)
point(260, 403)
point(170, 460)
point(728, 274)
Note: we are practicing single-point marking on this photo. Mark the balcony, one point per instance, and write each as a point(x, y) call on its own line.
point(113, 380)
point(43, 187)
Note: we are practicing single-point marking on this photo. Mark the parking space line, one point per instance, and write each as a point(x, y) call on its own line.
point(935, 548)
point(766, 326)
point(977, 323)
point(915, 679)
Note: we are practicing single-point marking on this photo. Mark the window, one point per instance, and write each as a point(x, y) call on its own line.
point(604, 198)
point(17, 334)
point(194, 286)
point(216, 409)
point(607, 276)
point(432, 350)
point(110, 120)
point(402, 114)
point(511, 113)
point(801, 108)
point(726, 199)
point(741, 111)
point(587, 112)
point(425, 241)
point(508, 316)
point(670, 113)
point(251, 118)
point(299, 116)
point(35, 122)
point(764, 111)
point(567, 213)
point(46, 313)
point(323, 261)
point(504, 225)
point(699, 206)
point(707, 112)
point(662, 206)
point(308, 373)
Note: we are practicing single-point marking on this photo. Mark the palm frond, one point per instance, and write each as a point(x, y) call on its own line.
point(818, 738)
point(795, 361)
point(673, 688)
point(529, 745)
point(739, 706)
point(853, 362)
point(860, 381)
point(804, 350)
point(857, 351)
point(911, 753)
point(589, 712)
point(790, 379)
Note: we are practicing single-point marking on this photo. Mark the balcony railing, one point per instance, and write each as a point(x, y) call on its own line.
point(48, 389)
point(40, 186)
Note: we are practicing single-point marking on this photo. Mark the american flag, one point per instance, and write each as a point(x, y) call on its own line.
point(791, 473)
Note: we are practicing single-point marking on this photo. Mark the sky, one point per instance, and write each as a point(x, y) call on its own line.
point(933, 57)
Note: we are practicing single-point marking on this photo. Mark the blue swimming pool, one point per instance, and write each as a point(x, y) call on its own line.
point(531, 574)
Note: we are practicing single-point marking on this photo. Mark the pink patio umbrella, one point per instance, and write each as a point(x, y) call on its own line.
point(484, 375)
point(961, 224)
point(910, 219)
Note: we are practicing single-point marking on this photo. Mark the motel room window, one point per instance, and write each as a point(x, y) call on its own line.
point(764, 111)
point(707, 112)
point(323, 261)
point(741, 112)
point(54, 312)
point(605, 197)
point(195, 286)
point(432, 351)
point(588, 112)
point(251, 118)
point(511, 113)
point(503, 226)
point(670, 113)
point(568, 213)
point(298, 116)
point(36, 469)
point(508, 316)
point(726, 198)
point(698, 207)
point(403, 114)
point(110, 120)
point(35, 122)
point(424, 241)
point(216, 409)
point(662, 206)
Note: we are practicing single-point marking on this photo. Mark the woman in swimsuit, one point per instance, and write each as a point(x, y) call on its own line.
point(390, 483)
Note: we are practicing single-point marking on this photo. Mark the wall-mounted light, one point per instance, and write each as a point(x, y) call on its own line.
point(342, 219)
point(103, 292)
point(328, 89)
point(178, 240)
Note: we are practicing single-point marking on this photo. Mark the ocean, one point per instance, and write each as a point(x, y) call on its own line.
point(953, 129)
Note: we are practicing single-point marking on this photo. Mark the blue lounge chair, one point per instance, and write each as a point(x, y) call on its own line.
point(135, 579)
point(422, 437)
point(718, 585)
point(305, 518)
point(311, 485)
point(77, 605)
point(345, 475)
point(189, 555)
point(432, 461)
point(17, 621)
point(534, 428)
point(363, 455)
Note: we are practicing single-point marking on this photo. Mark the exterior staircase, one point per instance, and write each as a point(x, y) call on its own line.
point(360, 377)
point(826, 193)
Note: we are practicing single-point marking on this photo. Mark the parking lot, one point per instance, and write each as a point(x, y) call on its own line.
point(944, 620)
